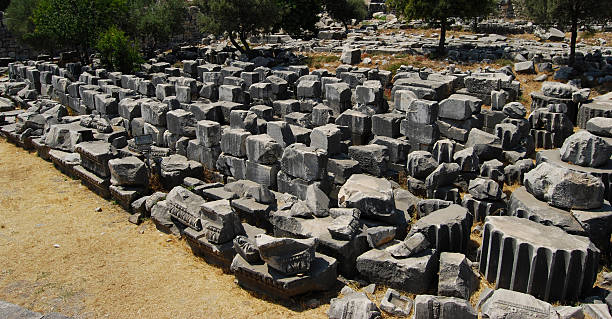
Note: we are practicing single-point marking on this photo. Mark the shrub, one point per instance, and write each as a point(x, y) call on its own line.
point(118, 52)
point(4, 4)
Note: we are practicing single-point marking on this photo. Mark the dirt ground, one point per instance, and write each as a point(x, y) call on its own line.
point(58, 254)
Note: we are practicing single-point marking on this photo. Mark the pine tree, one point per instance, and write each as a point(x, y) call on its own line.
point(440, 12)
point(569, 12)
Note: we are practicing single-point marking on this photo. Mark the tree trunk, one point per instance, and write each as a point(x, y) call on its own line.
point(234, 43)
point(442, 37)
point(572, 58)
point(247, 48)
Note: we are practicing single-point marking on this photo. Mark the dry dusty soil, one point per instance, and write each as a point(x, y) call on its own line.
point(58, 254)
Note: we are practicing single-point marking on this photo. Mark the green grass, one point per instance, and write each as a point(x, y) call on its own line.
point(393, 67)
point(317, 61)
point(382, 18)
point(504, 62)
point(588, 34)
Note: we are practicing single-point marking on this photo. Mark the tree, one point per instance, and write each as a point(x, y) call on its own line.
point(18, 20)
point(153, 22)
point(118, 52)
point(568, 12)
point(76, 24)
point(440, 12)
point(239, 18)
point(346, 10)
point(4, 4)
point(299, 16)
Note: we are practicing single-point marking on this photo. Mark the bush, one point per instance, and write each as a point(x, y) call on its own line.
point(4, 4)
point(118, 52)
point(18, 19)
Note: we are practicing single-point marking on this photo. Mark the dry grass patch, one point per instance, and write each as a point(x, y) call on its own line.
point(104, 266)
point(509, 189)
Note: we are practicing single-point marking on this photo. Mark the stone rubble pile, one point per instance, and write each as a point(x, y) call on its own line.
point(290, 178)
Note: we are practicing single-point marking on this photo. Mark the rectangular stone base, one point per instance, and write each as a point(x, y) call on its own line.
point(216, 254)
point(126, 195)
point(253, 213)
point(95, 183)
point(260, 278)
point(41, 149)
point(57, 158)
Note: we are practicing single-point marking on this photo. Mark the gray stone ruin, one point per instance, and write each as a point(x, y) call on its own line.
point(510, 256)
point(293, 179)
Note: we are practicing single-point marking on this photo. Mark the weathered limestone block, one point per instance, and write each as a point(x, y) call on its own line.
point(263, 149)
point(565, 188)
point(95, 156)
point(351, 56)
point(353, 306)
point(181, 122)
point(328, 138)
point(185, 206)
point(66, 136)
point(208, 133)
point(373, 159)
point(482, 188)
point(447, 229)
point(459, 107)
point(233, 142)
point(409, 247)
point(396, 304)
point(420, 164)
point(372, 196)
point(386, 124)
point(414, 275)
point(359, 124)
point(443, 151)
point(286, 255)
point(422, 111)
point(338, 96)
point(525, 205)
point(128, 171)
point(429, 307)
point(220, 223)
point(503, 303)
point(175, 168)
point(307, 163)
point(517, 256)
point(586, 149)
point(456, 277)
point(154, 112)
point(553, 157)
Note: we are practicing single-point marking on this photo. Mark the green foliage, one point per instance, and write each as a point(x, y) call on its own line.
point(346, 10)
point(118, 52)
point(504, 62)
point(570, 13)
point(318, 61)
point(4, 4)
point(393, 67)
point(563, 12)
point(18, 19)
point(75, 24)
point(439, 12)
point(56, 25)
point(239, 18)
point(154, 22)
point(299, 16)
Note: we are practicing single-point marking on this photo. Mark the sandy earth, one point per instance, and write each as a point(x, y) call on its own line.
point(104, 266)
